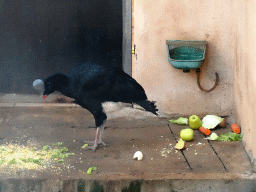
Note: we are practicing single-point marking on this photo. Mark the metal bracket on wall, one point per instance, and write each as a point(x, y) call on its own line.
point(133, 51)
point(198, 81)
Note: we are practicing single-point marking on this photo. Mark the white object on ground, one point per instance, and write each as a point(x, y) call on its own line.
point(138, 155)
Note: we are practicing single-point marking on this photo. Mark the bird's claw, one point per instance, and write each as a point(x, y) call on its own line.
point(93, 146)
point(93, 142)
point(102, 143)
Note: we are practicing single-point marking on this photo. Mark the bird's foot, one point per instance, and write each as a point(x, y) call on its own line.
point(93, 143)
point(92, 147)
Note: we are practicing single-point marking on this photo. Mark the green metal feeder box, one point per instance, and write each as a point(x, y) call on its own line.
point(186, 55)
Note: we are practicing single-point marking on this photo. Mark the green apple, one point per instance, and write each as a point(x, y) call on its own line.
point(194, 122)
point(187, 134)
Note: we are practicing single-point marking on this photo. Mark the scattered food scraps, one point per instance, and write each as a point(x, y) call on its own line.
point(165, 151)
point(235, 128)
point(223, 123)
point(194, 122)
point(230, 136)
point(187, 134)
point(180, 145)
point(138, 155)
point(211, 121)
point(213, 137)
point(205, 131)
point(16, 156)
point(85, 145)
point(180, 121)
point(89, 171)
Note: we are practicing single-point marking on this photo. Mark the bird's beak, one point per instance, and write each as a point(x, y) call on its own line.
point(44, 96)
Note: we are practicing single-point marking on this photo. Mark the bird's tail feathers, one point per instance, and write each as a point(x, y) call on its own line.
point(148, 106)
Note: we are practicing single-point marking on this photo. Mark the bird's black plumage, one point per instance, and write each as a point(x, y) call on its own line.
point(91, 84)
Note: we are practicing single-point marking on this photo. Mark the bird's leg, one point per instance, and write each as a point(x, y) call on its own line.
point(101, 134)
point(98, 139)
point(94, 144)
point(95, 107)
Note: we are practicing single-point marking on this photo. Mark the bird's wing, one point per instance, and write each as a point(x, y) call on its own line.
point(106, 84)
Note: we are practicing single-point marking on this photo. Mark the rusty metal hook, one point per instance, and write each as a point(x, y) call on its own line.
point(198, 81)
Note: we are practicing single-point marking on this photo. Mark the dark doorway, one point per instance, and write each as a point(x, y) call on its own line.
point(42, 37)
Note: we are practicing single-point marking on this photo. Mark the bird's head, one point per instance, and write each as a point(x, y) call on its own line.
point(44, 87)
point(50, 84)
point(39, 86)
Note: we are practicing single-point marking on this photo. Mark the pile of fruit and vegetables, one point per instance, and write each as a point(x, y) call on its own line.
point(206, 127)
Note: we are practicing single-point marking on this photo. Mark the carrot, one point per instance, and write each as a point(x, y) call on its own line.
point(235, 128)
point(205, 131)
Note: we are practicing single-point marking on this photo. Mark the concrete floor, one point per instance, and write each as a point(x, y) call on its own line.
point(202, 166)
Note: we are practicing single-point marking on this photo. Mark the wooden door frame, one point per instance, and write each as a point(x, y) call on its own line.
point(127, 36)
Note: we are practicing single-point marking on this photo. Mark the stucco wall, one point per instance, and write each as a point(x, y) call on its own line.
point(245, 71)
point(177, 92)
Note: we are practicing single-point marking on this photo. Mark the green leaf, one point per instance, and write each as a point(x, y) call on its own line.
point(94, 168)
point(46, 148)
point(180, 121)
point(2, 161)
point(85, 145)
point(89, 171)
point(63, 149)
point(11, 162)
point(231, 136)
point(213, 137)
point(41, 154)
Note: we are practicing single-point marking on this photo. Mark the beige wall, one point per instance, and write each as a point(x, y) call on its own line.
point(177, 92)
point(229, 27)
point(245, 71)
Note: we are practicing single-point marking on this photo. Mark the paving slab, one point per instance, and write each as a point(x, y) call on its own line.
point(126, 132)
point(199, 154)
point(124, 136)
point(232, 154)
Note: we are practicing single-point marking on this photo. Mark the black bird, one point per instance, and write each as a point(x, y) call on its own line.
point(91, 85)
